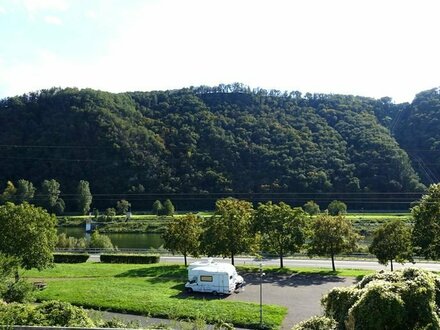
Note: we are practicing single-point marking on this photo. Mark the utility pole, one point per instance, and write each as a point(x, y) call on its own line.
point(261, 295)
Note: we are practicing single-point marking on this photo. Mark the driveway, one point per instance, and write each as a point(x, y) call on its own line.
point(301, 294)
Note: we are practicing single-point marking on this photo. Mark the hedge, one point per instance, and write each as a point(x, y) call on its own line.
point(70, 258)
point(130, 258)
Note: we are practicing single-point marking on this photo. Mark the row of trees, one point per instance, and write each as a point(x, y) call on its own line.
point(48, 195)
point(236, 227)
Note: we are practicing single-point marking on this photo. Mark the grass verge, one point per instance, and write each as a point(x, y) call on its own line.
point(152, 290)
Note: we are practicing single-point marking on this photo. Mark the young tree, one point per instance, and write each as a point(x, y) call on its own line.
point(229, 232)
point(182, 235)
point(426, 231)
point(9, 194)
point(168, 208)
point(311, 208)
point(50, 192)
point(392, 241)
point(28, 233)
point(122, 206)
point(157, 207)
point(337, 208)
point(332, 235)
point(84, 197)
point(281, 227)
point(25, 191)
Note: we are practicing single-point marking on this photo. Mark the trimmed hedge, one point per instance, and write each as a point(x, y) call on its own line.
point(130, 258)
point(70, 258)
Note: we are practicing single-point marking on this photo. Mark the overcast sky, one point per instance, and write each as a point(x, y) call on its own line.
point(364, 47)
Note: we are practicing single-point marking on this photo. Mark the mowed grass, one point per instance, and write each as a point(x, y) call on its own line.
point(151, 290)
point(357, 273)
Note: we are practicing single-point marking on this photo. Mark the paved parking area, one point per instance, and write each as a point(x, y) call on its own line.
point(301, 294)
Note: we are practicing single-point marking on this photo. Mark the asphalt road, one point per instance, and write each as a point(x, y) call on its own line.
point(318, 263)
point(306, 262)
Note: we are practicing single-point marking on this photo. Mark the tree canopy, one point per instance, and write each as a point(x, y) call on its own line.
point(282, 228)
point(392, 241)
point(28, 233)
point(229, 231)
point(426, 231)
point(332, 235)
point(183, 235)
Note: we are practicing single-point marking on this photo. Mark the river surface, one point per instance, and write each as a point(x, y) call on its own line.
point(121, 240)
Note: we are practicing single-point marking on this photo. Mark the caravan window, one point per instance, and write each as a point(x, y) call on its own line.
point(205, 278)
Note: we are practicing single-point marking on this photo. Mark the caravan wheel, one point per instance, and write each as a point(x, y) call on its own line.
point(189, 290)
point(214, 293)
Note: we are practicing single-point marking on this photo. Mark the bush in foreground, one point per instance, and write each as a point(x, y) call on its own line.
point(317, 323)
point(406, 299)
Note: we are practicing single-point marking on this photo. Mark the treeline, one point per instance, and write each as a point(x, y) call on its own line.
point(237, 227)
point(195, 145)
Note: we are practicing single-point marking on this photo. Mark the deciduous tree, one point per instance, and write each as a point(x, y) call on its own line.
point(182, 235)
point(229, 231)
point(84, 197)
point(28, 233)
point(332, 235)
point(9, 194)
point(50, 192)
point(311, 208)
point(337, 208)
point(281, 227)
point(392, 241)
point(157, 207)
point(168, 207)
point(25, 191)
point(426, 232)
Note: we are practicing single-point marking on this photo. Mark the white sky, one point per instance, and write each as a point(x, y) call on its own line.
point(364, 47)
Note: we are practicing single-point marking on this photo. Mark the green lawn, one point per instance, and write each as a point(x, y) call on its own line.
point(152, 290)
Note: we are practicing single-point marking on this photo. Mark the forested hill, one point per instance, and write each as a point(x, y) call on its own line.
point(226, 139)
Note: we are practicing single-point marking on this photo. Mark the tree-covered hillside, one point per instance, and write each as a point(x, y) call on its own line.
point(203, 141)
point(418, 131)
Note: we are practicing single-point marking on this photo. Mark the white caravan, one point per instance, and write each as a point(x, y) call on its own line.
point(209, 276)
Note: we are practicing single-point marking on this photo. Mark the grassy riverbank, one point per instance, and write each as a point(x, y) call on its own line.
point(152, 290)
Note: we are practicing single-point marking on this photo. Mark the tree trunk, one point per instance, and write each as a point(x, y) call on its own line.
point(232, 258)
point(184, 257)
point(392, 268)
point(333, 262)
point(17, 276)
point(281, 261)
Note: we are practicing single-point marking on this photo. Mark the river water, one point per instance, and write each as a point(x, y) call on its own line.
point(121, 240)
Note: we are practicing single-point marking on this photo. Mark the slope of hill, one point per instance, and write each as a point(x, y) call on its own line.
point(226, 139)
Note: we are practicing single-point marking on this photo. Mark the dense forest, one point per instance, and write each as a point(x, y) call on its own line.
point(197, 144)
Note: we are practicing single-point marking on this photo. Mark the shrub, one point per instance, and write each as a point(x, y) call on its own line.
point(311, 208)
point(317, 323)
point(21, 314)
point(130, 258)
point(99, 241)
point(387, 300)
point(70, 258)
point(67, 242)
point(380, 307)
point(21, 291)
point(337, 208)
point(57, 313)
